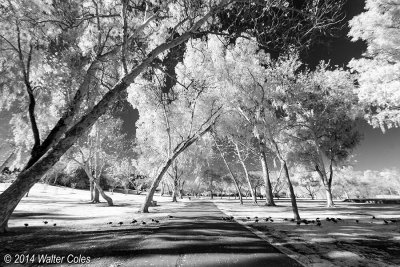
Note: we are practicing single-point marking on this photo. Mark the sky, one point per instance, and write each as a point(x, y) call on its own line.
point(376, 151)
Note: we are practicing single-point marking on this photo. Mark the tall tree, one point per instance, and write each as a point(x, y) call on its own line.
point(324, 108)
point(170, 122)
point(378, 70)
point(98, 44)
point(98, 32)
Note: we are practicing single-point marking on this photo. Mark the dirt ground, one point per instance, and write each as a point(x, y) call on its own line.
point(368, 242)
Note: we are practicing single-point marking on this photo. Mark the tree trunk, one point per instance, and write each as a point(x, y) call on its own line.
point(269, 198)
point(292, 195)
point(10, 199)
point(162, 188)
point(91, 186)
point(327, 186)
point(96, 198)
point(177, 151)
point(154, 185)
point(329, 199)
point(98, 189)
point(175, 192)
point(211, 195)
point(103, 195)
point(245, 172)
point(230, 172)
point(47, 157)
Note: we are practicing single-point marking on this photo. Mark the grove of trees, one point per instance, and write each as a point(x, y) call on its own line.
point(226, 102)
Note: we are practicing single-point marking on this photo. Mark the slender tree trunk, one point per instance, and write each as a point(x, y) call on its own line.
point(162, 188)
point(154, 185)
point(230, 171)
point(175, 192)
point(177, 151)
point(245, 172)
point(269, 198)
point(292, 195)
point(91, 186)
point(233, 177)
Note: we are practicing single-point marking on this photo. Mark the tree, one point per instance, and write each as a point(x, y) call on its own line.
point(100, 147)
point(170, 122)
point(234, 129)
point(323, 107)
point(208, 179)
point(99, 44)
point(100, 38)
point(306, 181)
point(378, 71)
point(123, 172)
point(235, 180)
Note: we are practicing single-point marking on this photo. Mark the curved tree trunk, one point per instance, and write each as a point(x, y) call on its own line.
point(103, 195)
point(292, 195)
point(60, 139)
point(154, 185)
point(269, 197)
point(98, 189)
point(177, 151)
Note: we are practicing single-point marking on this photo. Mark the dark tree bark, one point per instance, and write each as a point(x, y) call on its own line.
point(292, 195)
point(269, 199)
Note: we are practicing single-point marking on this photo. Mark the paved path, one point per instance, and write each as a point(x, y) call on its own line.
point(196, 236)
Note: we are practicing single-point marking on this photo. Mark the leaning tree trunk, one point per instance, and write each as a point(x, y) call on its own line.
point(246, 173)
point(98, 189)
point(154, 185)
point(43, 162)
point(292, 195)
point(230, 172)
point(103, 195)
point(177, 151)
point(269, 197)
point(10, 198)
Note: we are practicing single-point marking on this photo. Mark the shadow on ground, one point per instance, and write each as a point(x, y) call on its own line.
point(195, 236)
